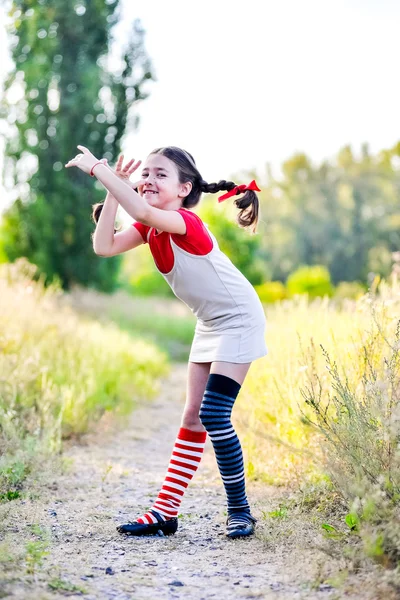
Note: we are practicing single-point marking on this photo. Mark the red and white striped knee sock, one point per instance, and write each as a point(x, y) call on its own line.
point(184, 461)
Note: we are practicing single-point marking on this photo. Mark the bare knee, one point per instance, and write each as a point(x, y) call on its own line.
point(235, 371)
point(191, 420)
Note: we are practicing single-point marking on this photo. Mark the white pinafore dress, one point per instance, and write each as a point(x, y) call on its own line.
point(230, 317)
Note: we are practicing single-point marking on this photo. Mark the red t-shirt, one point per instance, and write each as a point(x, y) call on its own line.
point(196, 240)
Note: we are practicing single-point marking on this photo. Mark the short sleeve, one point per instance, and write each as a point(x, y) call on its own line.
point(142, 229)
point(197, 239)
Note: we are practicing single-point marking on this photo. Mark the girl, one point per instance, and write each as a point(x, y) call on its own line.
point(230, 326)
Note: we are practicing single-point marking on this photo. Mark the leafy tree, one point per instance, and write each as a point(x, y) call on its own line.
point(64, 91)
point(342, 214)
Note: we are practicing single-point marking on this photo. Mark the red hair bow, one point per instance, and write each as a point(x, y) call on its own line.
point(239, 189)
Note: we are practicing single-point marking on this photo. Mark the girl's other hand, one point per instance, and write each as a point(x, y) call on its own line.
point(84, 161)
point(87, 160)
point(125, 172)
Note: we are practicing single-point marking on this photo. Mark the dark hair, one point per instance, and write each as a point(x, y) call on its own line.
point(248, 203)
point(96, 212)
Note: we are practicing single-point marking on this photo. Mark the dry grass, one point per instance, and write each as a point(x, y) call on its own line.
point(327, 401)
point(60, 372)
point(281, 447)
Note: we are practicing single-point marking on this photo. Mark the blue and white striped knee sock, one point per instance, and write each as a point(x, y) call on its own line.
point(215, 414)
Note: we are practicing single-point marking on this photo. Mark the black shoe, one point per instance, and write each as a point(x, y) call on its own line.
point(240, 524)
point(162, 527)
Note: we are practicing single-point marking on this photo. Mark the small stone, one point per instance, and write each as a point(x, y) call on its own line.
point(325, 587)
point(176, 583)
point(110, 571)
point(275, 586)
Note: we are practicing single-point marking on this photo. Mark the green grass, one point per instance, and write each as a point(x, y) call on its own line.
point(165, 322)
point(172, 335)
point(65, 586)
point(61, 371)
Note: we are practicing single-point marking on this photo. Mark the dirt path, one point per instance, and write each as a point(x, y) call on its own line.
point(114, 477)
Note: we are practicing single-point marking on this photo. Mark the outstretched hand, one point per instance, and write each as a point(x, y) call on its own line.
point(84, 161)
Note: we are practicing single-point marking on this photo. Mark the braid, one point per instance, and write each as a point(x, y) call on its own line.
point(247, 203)
point(213, 188)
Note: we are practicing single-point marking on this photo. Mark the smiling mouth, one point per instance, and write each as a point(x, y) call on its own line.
point(150, 192)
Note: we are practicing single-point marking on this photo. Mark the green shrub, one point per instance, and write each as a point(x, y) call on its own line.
point(312, 280)
point(271, 291)
point(352, 290)
point(150, 283)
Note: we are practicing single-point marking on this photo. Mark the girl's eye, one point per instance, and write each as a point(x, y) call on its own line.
point(161, 175)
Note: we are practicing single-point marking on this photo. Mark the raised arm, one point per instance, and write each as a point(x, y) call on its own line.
point(136, 206)
point(105, 241)
point(103, 237)
point(130, 200)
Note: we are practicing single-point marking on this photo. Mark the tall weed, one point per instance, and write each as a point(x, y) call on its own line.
point(359, 419)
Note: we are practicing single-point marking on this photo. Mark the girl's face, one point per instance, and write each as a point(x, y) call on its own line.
point(162, 187)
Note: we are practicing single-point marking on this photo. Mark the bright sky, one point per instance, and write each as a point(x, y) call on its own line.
point(245, 83)
point(240, 84)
